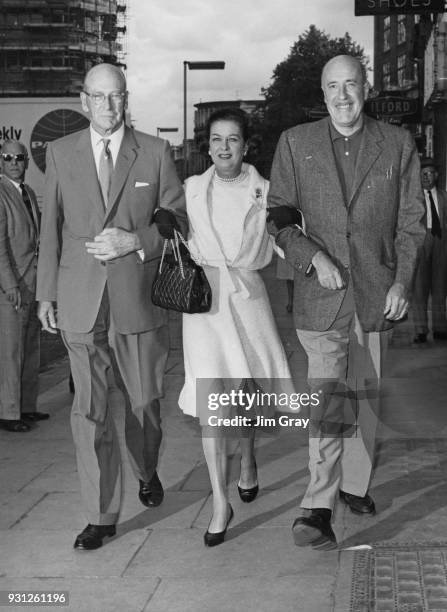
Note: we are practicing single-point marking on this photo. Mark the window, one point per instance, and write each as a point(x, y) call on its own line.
point(401, 29)
point(401, 65)
point(386, 75)
point(386, 33)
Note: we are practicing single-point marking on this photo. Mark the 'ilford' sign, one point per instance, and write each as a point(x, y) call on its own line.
point(398, 7)
point(392, 106)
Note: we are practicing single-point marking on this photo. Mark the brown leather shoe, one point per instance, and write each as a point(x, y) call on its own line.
point(314, 530)
point(15, 425)
point(151, 493)
point(420, 339)
point(357, 504)
point(35, 416)
point(92, 536)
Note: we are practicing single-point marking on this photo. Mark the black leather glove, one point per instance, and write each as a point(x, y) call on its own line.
point(282, 216)
point(166, 223)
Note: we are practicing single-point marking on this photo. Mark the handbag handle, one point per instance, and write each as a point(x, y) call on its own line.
point(175, 249)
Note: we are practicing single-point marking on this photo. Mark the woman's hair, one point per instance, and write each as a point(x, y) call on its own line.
point(229, 114)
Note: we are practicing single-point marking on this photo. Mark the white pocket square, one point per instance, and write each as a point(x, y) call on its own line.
point(141, 184)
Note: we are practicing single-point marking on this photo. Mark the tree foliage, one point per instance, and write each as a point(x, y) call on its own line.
point(296, 87)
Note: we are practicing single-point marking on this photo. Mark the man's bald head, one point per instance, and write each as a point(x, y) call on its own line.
point(105, 98)
point(345, 60)
point(100, 71)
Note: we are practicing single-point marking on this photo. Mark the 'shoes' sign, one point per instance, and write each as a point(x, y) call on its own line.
point(398, 7)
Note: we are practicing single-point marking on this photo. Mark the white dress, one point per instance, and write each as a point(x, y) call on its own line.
point(237, 339)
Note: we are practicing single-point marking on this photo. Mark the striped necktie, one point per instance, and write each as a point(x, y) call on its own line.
point(105, 170)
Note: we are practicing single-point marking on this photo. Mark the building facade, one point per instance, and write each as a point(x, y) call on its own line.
point(410, 70)
point(47, 46)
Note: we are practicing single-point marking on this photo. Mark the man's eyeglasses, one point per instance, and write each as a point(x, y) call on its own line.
point(99, 98)
point(20, 157)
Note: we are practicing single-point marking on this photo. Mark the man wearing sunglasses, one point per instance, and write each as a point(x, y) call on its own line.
point(100, 247)
point(19, 325)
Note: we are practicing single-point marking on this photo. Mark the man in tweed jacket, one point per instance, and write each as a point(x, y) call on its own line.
point(356, 181)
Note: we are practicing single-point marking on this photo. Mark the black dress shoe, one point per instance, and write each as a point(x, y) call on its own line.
point(35, 416)
point(93, 535)
point(420, 339)
point(314, 530)
point(440, 335)
point(15, 425)
point(151, 493)
point(248, 495)
point(359, 505)
point(214, 539)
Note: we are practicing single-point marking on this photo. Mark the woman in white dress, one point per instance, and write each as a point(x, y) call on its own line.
point(237, 342)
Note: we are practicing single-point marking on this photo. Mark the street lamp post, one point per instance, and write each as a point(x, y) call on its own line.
point(193, 66)
point(160, 130)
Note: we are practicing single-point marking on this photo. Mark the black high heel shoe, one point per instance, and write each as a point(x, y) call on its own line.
point(248, 495)
point(213, 539)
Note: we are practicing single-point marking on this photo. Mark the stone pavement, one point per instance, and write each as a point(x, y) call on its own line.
point(158, 563)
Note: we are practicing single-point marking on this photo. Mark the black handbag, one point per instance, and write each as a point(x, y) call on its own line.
point(180, 284)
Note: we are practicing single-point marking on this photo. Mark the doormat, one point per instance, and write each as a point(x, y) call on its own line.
point(396, 577)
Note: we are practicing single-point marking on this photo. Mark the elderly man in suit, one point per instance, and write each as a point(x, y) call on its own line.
point(109, 191)
point(19, 325)
point(431, 272)
point(356, 182)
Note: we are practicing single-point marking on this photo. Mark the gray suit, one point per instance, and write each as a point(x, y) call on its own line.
point(19, 330)
point(106, 305)
point(373, 238)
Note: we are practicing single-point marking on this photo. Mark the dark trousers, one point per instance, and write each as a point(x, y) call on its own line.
point(430, 279)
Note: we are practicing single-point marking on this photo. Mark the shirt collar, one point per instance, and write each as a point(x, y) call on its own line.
point(15, 183)
point(335, 134)
point(115, 138)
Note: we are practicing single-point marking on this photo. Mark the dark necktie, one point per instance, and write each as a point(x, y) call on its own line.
point(435, 223)
point(27, 201)
point(105, 170)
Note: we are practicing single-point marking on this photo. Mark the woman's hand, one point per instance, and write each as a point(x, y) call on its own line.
point(282, 216)
point(166, 223)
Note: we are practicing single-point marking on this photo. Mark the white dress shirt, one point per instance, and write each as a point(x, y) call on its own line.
point(116, 138)
point(428, 206)
point(114, 145)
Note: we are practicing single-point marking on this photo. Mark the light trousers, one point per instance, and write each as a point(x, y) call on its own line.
point(344, 368)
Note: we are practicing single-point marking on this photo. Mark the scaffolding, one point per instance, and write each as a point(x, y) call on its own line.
point(47, 46)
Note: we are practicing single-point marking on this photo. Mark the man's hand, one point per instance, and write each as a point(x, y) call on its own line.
point(396, 303)
point(14, 297)
point(112, 243)
point(328, 274)
point(47, 317)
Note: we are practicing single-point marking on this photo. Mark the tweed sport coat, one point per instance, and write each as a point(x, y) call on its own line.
point(373, 238)
point(18, 241)
point(144, 178)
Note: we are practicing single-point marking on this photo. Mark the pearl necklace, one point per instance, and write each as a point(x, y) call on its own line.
point(236, 179)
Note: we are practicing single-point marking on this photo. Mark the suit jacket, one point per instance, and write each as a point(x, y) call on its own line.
point(144, 178)
point(18, 240)
point(373, 238)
